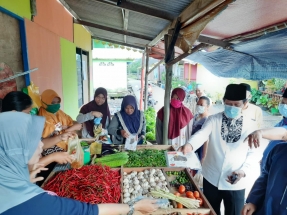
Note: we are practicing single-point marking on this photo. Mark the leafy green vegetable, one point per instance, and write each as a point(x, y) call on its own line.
point(150, 123)
point(146, 158)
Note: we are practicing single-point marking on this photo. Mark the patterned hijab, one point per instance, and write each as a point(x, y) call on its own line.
point(20, 134)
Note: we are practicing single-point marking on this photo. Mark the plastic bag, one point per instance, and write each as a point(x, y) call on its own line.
point(198, 179)
point(75, 149)
point(98, 128)
point(33, 92)
point(131, 142)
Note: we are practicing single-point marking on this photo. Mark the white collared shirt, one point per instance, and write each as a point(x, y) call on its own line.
point(223, 158)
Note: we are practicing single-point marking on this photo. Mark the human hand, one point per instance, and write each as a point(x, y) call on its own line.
point(187, 148)
point(97, 114)
point(240, 174)
point(62, 157)
point(124, 134)
point(67, 135)
point(146, 206)
point(254, 139)
point(37, 168)
point(248, 209)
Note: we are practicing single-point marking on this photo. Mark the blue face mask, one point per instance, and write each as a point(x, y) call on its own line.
point(283, 109)
point(232, 111)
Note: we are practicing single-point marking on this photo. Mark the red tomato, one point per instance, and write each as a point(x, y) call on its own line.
point(200, 201)
point(177, 193)
point(181, 189)
point(189, 194)
point(196, 194)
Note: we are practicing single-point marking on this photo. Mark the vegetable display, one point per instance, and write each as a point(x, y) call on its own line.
point(113, 160)
point(181, 179)
point(181, 201)
point(150, 116)
point(146, 158)
point(91, 184)
point(138, 184)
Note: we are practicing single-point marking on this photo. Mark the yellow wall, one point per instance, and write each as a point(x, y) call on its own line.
point(82, 39)
point(214, 84)
point(19, 7)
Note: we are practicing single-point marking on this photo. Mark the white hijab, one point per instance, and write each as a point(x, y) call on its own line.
point(20, 134)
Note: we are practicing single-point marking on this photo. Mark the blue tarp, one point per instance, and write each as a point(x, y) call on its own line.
point(262, 58)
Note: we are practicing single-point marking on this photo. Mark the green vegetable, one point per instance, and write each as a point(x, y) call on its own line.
point(146, 158)
point(84, 143)
point(114, 160)
point(181, 177)
point(150, 117)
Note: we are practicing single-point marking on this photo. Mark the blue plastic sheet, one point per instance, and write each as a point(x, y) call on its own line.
point(262, 58)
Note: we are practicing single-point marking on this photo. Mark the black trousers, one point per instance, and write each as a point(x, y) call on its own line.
point(233, 199)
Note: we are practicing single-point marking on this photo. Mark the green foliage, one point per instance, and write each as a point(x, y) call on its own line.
point(133, 67)
point(274, 84)
point(176, 82)
point(146, 158)
point(150, 123)
point(263, 100)
point(255, 95)
point(273, 103)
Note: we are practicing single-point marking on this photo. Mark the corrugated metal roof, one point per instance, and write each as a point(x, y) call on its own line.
point(175, 7)
point(107, 35)
point(97, 12)
point(145, 25)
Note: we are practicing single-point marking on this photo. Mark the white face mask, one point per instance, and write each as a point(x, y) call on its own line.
point(200, 109)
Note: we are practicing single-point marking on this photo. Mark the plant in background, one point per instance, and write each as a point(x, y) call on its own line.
point(263, 99)
point(150, 124)
point(279, 84)
point(273, 103)
point(255, 95)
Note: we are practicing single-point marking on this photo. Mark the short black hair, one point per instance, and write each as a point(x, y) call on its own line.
point(17, 101)
point(248, 88)
point(206, 99)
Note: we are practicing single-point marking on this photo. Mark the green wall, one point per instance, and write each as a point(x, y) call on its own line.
point(69, 78)
point(19, 7)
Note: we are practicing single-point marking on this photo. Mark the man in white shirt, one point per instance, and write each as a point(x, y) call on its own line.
point(250, 110)
point(228, 157)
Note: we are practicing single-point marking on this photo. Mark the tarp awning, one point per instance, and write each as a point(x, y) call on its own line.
point(262, 58)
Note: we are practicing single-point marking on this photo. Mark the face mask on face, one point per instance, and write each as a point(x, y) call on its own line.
point(283, 109)
point(53, 108)
point(232, 111)
point(200, 109)
point(175, 103)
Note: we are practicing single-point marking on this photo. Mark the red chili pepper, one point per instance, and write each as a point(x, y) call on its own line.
point(92, 184)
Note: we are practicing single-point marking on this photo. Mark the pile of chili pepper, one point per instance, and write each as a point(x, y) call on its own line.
point(91, 184)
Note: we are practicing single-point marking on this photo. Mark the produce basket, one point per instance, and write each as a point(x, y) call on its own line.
point(204, 209)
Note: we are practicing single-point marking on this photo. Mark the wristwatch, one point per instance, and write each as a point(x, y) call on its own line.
point(132, 209)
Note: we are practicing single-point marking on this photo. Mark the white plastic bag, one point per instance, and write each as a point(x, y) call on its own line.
point(75, 149)
point(131, 142)
point(198, 179)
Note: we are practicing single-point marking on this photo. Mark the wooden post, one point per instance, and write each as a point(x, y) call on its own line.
point(168, 81)
point(146, 78)
point(142, 83)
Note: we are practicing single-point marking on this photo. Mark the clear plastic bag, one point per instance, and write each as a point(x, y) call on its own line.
point(75, 149)
point(131, 142)
point(198, 179)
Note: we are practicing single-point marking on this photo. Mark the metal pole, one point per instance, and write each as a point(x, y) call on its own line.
point(168, 81)
point(146, 78)
point(142, 83)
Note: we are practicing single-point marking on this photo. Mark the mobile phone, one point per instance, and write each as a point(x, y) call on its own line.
point(233, 178)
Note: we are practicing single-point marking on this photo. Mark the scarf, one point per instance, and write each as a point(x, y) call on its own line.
point(47, 97)
point(132, 121)
point(20, 134)
point(179, 117)
point(92, 106)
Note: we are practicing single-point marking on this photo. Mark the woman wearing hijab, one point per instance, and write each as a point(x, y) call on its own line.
point(128, 121)
point(180, 121)
point(57, 122)
point(98, 108)
point(20, 147)
point(21, 102)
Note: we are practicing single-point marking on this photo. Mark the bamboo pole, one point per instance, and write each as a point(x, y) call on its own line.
point(168, 81)
point(146, 78)
point(142, 82)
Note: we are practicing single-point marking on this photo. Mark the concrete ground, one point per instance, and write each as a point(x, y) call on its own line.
point(268, 121)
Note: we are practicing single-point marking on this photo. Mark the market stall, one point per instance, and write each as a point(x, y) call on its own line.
point(123, 176)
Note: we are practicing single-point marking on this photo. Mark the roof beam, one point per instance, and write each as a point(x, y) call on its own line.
point(119, 43)
point(126, 22)
point(155, 66)
point(212, 41)
point(102, 27)
point(139, 8)
point(189, 15)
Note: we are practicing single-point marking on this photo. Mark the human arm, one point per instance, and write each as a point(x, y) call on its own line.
point(51, 141)
point(277, 133)
point(158, 131)
point(199, 138)
point(204, 151)
point(189, 128)
point(41, 204)
point(259, 118)
point(81, 118)
point(59, 157)
point(75, 127)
